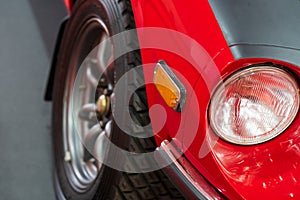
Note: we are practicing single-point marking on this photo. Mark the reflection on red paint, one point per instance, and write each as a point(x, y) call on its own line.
point(68, 4)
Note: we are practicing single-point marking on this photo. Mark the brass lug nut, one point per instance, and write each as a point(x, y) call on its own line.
point(103, 105)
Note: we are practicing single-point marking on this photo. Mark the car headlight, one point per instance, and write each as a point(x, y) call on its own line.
point(254, 105)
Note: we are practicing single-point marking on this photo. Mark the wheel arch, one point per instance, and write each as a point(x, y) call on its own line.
point(50, 82)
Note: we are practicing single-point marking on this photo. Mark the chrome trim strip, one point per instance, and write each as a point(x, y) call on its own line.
point(184, 175)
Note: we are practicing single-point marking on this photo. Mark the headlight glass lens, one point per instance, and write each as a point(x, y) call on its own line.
point(254, 105)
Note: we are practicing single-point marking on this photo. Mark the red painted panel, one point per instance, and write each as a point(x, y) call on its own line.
point(69, 4)
point(196, 20)
point(271, 168)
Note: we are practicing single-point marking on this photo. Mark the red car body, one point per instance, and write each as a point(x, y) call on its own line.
point(268, 170)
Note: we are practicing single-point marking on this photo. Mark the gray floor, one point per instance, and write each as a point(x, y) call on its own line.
point(27, 34)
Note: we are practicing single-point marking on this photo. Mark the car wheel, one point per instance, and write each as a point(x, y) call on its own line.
point(78, 175)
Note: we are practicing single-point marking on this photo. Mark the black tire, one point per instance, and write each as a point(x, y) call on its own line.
point(109, 184)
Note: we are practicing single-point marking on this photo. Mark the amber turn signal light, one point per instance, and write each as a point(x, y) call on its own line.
point(169, 86)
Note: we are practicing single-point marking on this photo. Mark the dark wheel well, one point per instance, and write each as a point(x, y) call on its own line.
point(50, 83)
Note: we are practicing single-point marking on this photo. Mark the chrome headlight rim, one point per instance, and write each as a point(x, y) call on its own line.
point(239, 74)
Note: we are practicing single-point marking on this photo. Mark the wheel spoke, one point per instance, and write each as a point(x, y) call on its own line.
point(101, 148)
point(88, 112)
point(91, 136)
point(101, 144)
point(92, 168)
point(110, 70)
point(102, 53)
point(90, 77)
point(104, 57)
point(108, 128)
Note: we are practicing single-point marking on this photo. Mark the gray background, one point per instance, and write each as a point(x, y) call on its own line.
point(27, 34)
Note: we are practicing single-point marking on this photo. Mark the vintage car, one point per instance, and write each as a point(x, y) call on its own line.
point(169, 99)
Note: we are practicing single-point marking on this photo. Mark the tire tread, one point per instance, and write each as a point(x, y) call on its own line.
point(151, 185)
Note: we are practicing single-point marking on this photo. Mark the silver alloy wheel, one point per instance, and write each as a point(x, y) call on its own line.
point(83, 124)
